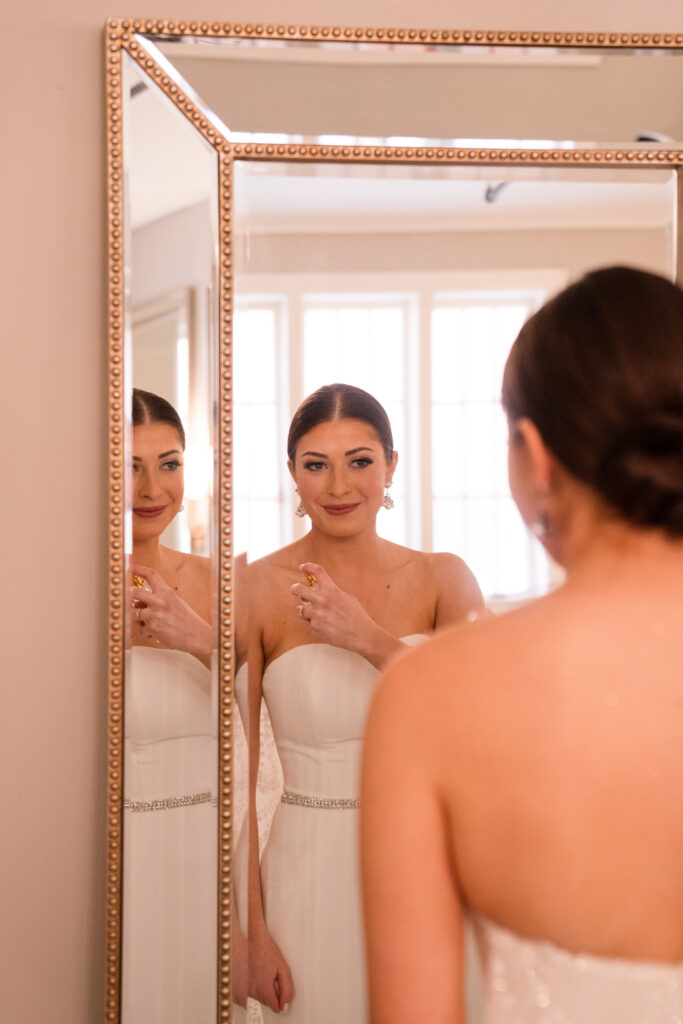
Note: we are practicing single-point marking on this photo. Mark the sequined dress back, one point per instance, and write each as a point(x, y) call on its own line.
point(533, 982)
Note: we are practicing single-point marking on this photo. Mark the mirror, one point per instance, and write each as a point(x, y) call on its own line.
point(361, 274)
point(399, 195)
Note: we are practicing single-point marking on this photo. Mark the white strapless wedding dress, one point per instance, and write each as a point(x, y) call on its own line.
point(318, 698)
point(527, 981)
point(169, 840)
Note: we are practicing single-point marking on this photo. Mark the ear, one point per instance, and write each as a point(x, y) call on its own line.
point(391, 466)
point(290, 467)
point(541, 464)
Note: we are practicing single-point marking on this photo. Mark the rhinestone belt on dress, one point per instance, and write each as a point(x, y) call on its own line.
point(170, 801)
point(321, 802)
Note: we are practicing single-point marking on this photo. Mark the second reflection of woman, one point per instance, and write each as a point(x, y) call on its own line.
point(326, 614)
point(169, 868)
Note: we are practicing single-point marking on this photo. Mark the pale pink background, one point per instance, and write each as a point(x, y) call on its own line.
point(53, 441)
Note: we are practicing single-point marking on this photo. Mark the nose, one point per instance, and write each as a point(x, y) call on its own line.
point(147, 484)
point(338, 483)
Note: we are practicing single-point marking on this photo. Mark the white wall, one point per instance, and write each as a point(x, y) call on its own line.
point(53, 511)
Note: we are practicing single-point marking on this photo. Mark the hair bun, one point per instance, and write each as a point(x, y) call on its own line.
point(642, 474)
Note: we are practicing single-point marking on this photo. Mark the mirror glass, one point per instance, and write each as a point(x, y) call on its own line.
point(170, 823)
point(412, 283)
point(397, 91)
point(408, 279)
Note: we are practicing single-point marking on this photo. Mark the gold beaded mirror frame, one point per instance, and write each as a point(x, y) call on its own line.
point(141, 42)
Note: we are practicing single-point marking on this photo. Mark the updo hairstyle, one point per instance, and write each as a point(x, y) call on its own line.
point(150, 408)
point(340, 402)
point(599, 370)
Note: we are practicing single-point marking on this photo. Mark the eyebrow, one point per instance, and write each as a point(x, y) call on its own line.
point(352, 451)
point(164, 455)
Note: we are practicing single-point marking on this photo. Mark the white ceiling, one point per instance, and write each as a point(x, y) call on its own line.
point(171, 167)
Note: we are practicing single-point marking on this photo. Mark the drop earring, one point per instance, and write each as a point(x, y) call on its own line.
point(299, 511)
point(387, 500)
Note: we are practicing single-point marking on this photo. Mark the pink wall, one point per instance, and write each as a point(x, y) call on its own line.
point(53, 512)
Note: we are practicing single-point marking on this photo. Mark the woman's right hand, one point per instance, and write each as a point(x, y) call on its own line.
point(167, 619)
point(339, 619)
point(270, 980)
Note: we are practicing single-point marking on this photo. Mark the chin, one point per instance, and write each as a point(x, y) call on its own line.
point(346, 526)
point(148, 531)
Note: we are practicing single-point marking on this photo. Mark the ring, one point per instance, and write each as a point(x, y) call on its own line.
point(300, 609)
point(137, 614)
point(311, 581)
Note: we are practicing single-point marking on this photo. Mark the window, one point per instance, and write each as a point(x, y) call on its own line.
point(472, 510)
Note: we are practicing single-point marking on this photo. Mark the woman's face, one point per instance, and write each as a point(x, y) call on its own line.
point(341, 471)
point(157, 478)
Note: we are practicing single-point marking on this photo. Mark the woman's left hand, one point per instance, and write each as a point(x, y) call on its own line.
point(168, 620)
point(338, 618)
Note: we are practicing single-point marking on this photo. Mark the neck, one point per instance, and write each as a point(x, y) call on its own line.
point(337, 553)
point(148, 552)
point(603, 548)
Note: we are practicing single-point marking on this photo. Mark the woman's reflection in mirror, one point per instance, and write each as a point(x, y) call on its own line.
point(171, 751)
point(173, 609)
point(326, 613)
point(525, 777)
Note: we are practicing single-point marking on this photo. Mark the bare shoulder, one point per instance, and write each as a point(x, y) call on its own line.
point(446, 566)
point(461, 664)
point(268, 580)
point(261, 571)
point(442, 564)
point(458, 595)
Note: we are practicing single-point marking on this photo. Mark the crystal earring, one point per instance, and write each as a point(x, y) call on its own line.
point(387, 500)
point(540, 526)
point(299, 511)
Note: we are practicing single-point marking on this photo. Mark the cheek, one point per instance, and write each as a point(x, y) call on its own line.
point(175, 486)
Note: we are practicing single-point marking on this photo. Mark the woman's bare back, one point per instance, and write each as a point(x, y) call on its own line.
point(561, 763)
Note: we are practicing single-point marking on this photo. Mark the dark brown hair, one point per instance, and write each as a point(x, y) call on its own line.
point(599, 370)
point(340, 402)
point(151, 408)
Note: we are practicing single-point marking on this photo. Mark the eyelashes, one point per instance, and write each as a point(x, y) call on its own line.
point(315, 466)
point(169, 467)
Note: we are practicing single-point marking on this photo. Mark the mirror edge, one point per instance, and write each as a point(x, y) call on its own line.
point(116, 422)
point(117, 40)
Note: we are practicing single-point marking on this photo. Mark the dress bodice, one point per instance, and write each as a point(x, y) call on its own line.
point(170, 841)
point(318, 697)
point(528, 981)
point(170, 725)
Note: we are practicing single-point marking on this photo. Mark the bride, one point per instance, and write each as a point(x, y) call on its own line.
point(542, 797)
point(325, 614)
point(170, 868)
